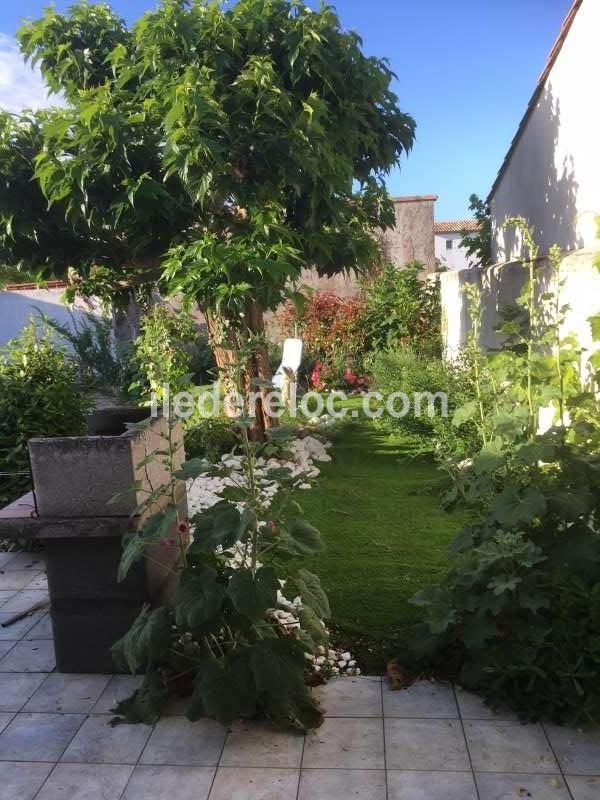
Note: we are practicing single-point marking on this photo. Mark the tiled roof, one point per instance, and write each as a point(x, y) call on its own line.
point(566, 27)
point(415, 198)
point(456, 226)
point(26, 287)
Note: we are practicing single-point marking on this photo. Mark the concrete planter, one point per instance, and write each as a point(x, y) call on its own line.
point(74, 478)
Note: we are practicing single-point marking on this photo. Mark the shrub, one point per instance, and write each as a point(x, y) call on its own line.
point(402, 309)
point(39, 396)
point(209, 438)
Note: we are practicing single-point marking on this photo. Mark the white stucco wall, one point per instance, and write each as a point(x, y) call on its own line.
point(553, 176)
point(454, 259)
point(18, 305)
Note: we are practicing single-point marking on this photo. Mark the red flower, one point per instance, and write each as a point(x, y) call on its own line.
point(183, 527)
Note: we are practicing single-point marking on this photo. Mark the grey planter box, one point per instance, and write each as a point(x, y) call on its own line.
point(74, 478)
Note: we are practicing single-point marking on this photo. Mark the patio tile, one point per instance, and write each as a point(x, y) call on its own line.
point(509, 747)
point(350, 697)
point(345, 743)
point(38, 737)
point(424, 700)
point(17, 688)
point(85, 782)
point(5, 718)
point(15, 579)
point(119, 687)
point(68, 693)
point(584, 787)
point(5, 595)
point(161, 783)
point(34, 562)
point(255, 784)
point(5, 558)
point(21, 601)
point(177, 741)
point(35, 656)
point(99, 742)
point(41, 629)
point(21, 780)
point(17, 630)
point(578, 751)
point(473, 706)
point(5, 647)
point(258, 744)
point(500, 786)
point(425, 744)
point(342, 784)
point(40, 581)
point(431, 785)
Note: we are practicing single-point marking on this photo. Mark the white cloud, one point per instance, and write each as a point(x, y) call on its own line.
point(20, 85)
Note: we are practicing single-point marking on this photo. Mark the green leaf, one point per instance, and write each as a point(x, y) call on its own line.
point(312, 593)
point(514, 507)
point(218, 526)
point(253, 596)
point(464, 413)
point(146, 642)
point(155, 528)
point(224, 692)
point(198, 599)
point(489, 459)
point(192, 469)
point(311, 623)
point(304, 539)
point(278, 665)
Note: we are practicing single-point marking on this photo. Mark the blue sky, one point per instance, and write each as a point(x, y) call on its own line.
point(466, 70)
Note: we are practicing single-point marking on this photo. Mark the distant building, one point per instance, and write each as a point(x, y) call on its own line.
point(448, 236)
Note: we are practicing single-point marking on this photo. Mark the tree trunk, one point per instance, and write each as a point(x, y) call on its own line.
point(237, 377)
point(126, 316)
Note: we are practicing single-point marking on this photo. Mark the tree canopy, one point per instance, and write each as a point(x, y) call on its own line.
point(227, 146)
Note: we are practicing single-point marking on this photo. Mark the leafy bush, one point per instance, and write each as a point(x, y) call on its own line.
point(402, 309)
point(39, 396)
point(519, 615)
point(231, 637)
point(209, 438)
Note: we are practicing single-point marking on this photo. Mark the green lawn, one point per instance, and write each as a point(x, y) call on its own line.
point(385, 537)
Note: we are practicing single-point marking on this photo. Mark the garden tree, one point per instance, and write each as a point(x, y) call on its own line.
point(220, 149)
point(479, 245)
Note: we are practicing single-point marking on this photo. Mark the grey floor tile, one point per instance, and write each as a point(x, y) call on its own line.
point(255, 784)
point(16, 688)
point(350, 697)
point(69, 693)
point(85, 782)
point(34, 656)
point(6, 647)
point(99, 742)
point(345, 743)
point(5, 718)
point(578, 751)
point(500, 786)
point(38, 737)
point(22, 601)
point(21, 780)
point(5, 595)
point(584, 787)
point(424, 700)
point(509, 747)
point(17, 630)
point(177, 741)
point(5, 558)
point(33, 562)
point(425, 744)
point(170, 783)
point(473, 706)
point(15, 579)
point(41, 629)
point(431, 785)
point(342, 784)
point(119, 687)
point(258, 744)
point(40, 581)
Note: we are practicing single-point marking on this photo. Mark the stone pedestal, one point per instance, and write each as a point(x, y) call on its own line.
point(74, 478)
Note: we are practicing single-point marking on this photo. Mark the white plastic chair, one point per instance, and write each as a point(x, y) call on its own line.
point(290, 360)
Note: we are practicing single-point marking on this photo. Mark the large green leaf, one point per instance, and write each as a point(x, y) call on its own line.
point(198, 599)
point(253, 596)
point(278, 666)
point(147, 703)
point(464, 413)
point(155, 528)
point(312, 593)
point(224, 692)
point(219, 526)
point(146, 642)
point(514, 507)
point(305, 539)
